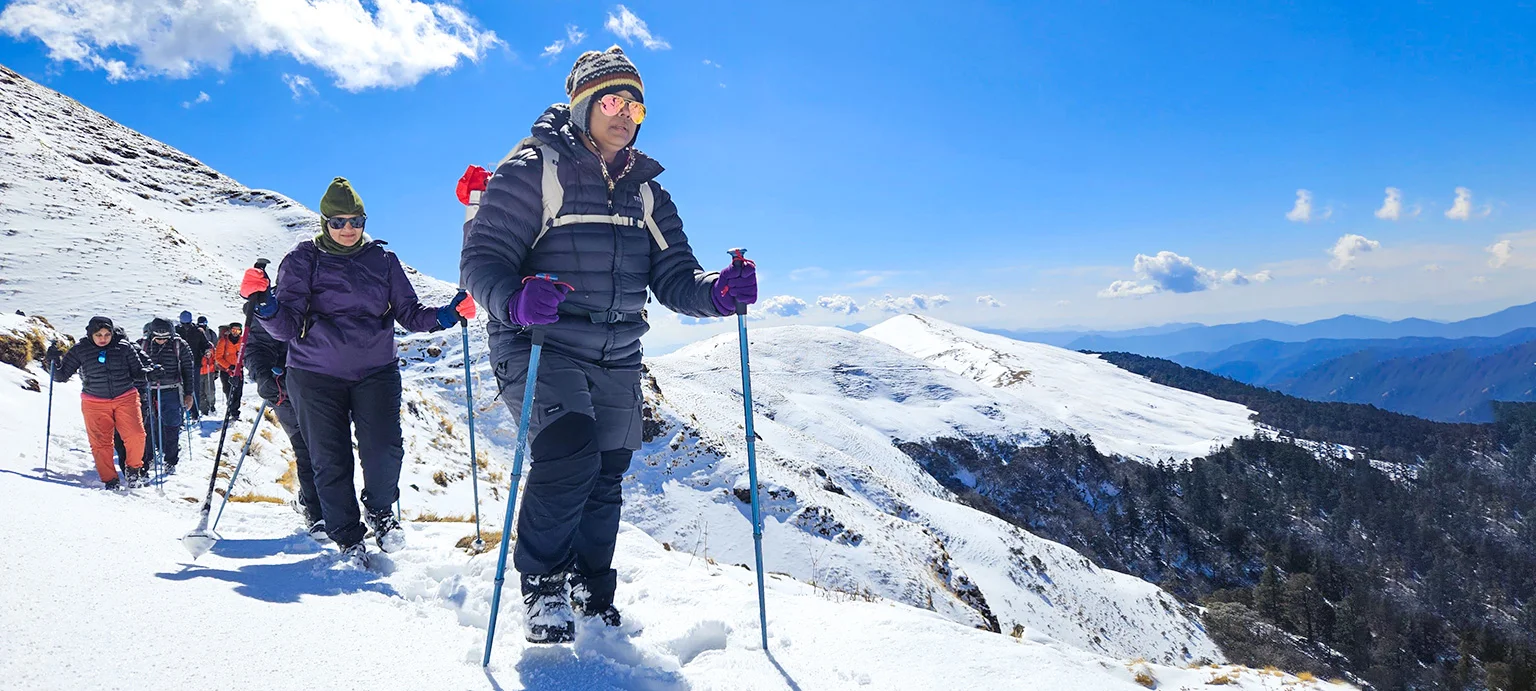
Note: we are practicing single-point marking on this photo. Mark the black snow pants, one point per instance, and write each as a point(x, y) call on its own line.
point(169, 418)
point(328, 408)
point(233, 385)
point(585, 428)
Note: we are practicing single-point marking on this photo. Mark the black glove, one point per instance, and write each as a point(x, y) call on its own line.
point(53, 358)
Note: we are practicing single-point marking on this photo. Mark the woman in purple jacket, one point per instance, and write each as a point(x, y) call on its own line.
point(336, 298)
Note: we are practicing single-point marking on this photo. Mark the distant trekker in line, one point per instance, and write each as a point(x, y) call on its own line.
point(200, 345)
point(111, 373)
point(335, 299)
point(170, 386)
point(226, 359)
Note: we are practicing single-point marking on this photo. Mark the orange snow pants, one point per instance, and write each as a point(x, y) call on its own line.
point(103, 416)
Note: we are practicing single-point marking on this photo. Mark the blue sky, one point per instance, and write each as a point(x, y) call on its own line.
point(1035, 164)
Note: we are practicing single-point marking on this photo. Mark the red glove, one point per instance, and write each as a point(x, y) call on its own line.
point(473, 181)
point(466, 309)
point(255, 281)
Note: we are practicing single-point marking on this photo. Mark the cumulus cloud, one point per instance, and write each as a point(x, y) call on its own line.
point(1461, 209)
point(202, 97)
point(988, 301)
point(686, 320)
point(573, 37)
point(782, 306)
point(1349, 248)
point(1500, 253)
point(1303, 212)
point(631, 28)
point(299, 85)
point(395, 44)
point(1391, 207)
point(1173, 273)
point(842, 304)
point(912, 303)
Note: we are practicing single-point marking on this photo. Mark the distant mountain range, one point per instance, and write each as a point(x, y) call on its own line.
point(1171, 340)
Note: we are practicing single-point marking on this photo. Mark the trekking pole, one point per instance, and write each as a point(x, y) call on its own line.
point(739, 258)
point(474, 461)
point(200, 540)
point(236, 476)
point(517, 473)
point(48, 428)
point(159, 442)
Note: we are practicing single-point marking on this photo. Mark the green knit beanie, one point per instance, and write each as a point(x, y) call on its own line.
point(341, 200)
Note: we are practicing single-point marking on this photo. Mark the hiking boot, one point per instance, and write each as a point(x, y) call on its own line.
point(112, 484)
point(170, 469)
point(316, 529)
point(137, 477)
point(356, 554)
point(549, 618)
point(595, 605)
point(386, 531)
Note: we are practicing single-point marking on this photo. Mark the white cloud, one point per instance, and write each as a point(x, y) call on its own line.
point(1173, 273)
point(1321, 282)
point(1461, 209)
point(1261, 277)
point(299, 85)
point(631, 28)
point(809, 273)
point(842, 304)
point(988, 301)
point(1391, 207)
point(395, 44)
point(1349, 248)
point(911, 303)
point(1432, 268)
point(1501, 251)
point(1479, 280)
point(686, 320)
point(1368, 280)
point(573, 37)
point(782, 306)
point(1302, 211)
point(202, 97)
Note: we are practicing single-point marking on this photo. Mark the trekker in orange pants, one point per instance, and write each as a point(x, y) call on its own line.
point(112, 371)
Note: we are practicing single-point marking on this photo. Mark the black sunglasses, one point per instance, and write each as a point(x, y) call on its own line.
point(339, 223)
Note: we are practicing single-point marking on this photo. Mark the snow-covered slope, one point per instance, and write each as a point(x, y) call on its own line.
point(848, 510)
point(1124, 413)
point(102, 596)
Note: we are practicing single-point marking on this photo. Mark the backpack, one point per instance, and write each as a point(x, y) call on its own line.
point(554, 197)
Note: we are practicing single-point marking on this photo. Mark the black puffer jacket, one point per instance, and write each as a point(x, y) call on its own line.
point(177, 363)
point(196, 338)
point(611, 266)
point(105, 372)
point(262, 353)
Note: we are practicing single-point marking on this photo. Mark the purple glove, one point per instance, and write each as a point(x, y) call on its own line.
point(537, 302)
point(736, 284)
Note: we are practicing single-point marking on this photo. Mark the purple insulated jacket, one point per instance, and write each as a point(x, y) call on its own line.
point(335, 311)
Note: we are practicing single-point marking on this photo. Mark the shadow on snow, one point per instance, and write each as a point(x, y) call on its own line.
point(288, 582)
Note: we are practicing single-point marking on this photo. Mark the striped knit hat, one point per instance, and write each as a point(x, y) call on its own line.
point(597, 74)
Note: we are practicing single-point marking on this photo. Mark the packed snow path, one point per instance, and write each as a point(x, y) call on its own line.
point(101, 595)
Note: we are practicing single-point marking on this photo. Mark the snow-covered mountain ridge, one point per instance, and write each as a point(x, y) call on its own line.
point(90, 212)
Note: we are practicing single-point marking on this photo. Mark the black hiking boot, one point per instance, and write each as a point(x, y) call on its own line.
point(386, 531)
point(137, 477)
point(356, 553)
point(597, 605)
point(112, 484)
point(549, 618)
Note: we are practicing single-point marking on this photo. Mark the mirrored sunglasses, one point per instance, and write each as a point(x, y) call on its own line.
point(612, 104)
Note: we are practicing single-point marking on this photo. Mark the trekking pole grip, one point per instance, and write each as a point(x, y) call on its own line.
point(738, 259)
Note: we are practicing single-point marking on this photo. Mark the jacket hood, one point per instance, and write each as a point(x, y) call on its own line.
point(554, 128)
point(97, 324)
point(161, 325)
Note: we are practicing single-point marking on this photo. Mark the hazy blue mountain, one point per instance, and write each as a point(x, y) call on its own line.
point(1265, 362)
point(1201, 338)
point(1451, 386)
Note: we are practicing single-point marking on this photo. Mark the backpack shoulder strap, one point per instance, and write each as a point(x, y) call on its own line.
point(648, 203)
point(550, 189)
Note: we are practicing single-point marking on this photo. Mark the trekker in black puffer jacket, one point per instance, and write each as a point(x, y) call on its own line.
point(586, 418)
point(112, 371)
point(170, 387)
point(266, 359)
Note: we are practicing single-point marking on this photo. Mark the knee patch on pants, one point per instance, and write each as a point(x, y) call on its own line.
point(570, 435)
